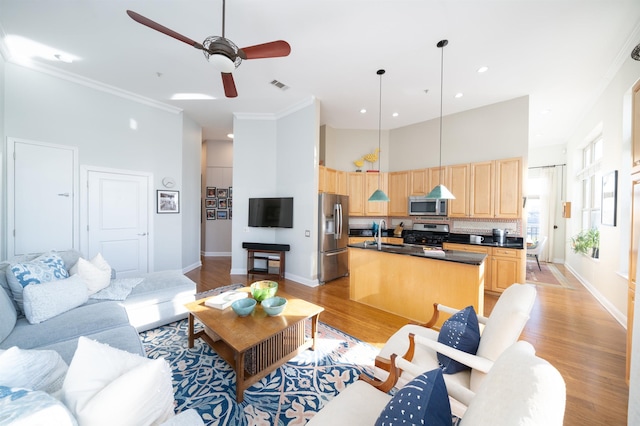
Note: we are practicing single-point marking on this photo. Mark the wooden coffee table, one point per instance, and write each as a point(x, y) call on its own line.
point(257, 344)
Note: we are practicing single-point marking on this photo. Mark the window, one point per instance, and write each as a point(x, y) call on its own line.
point(591, 178)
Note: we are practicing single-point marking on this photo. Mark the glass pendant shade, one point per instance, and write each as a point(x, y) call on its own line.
point(440, 192)
point(378, 195)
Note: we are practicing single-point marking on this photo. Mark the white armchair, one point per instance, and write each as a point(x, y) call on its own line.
point(536, 250)
point(501, 329)
point(520, 389)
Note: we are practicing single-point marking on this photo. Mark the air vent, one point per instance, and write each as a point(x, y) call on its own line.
point(279, 85)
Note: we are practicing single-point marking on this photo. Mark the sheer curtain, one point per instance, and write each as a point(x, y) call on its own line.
point(548, 189)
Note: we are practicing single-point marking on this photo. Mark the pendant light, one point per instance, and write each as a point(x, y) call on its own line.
point(378, 194)
point(440, 191)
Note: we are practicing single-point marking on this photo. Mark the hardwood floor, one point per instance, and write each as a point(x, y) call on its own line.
point(568, 328)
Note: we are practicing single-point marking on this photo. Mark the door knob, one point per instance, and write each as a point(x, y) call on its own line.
point(143, 234)
point(64, 194)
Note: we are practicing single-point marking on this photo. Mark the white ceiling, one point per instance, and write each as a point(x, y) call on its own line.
point(561, 53)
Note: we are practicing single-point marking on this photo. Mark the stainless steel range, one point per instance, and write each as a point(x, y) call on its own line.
point(427, 234)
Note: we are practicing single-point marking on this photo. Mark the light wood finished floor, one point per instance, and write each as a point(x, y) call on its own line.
point(568, 327)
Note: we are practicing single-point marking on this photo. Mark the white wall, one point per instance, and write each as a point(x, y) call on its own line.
point(277, 156)
point(606, 276)
point(498, 131)
point(3, 189)
point(191, 188)
point(219, 174)
point(46, 108)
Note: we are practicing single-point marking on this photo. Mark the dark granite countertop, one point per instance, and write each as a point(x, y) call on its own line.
point(417, 251)
point(511, 242)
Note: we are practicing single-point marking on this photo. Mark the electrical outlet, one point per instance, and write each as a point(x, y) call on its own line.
point(307, 233)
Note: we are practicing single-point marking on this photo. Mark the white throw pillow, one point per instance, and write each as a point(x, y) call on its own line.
point(47, 300)
point(23, 407)
point(108, 386)
point(39, 370)
point(95, 272)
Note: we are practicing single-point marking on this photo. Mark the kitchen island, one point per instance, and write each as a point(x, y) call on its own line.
point(403, 280)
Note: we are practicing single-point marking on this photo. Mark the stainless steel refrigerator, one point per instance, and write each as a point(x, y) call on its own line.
point(333, 237)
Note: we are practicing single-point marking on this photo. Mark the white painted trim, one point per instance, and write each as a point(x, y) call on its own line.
point(275, 116)
point(10, 223)
point(191, 267)
point(94, 84)
point(84, 211)
point(216, 254)
point(615, 313)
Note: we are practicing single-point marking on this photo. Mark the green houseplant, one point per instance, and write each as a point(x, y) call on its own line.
point(585, 240)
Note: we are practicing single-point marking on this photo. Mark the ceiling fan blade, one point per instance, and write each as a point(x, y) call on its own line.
point(272, 49)
point(229, 85)
point(155, 26)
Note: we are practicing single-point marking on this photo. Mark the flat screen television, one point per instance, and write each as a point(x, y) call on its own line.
point(271, 212)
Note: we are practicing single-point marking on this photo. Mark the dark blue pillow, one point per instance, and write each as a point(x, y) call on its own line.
point(460, 331)
point(422, 401)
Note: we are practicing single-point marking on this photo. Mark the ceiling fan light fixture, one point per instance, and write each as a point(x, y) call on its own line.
point(222, 63)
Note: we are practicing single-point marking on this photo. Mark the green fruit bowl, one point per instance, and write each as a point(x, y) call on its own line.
point(261, 290)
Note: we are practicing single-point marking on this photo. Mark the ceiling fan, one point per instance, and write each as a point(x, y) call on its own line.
point(221, 51)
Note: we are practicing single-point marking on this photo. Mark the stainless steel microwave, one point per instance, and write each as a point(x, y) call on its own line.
point(422, 206)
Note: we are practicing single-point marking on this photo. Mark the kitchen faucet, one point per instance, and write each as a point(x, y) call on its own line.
point(382, 221)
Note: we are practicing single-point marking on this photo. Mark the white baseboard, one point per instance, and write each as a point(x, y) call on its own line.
point(615, 313)
point(191, 267)
point(216, 253)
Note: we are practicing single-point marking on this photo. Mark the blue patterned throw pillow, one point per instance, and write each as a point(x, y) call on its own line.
point(422, 401)
point(460, 331)
point(45, 268)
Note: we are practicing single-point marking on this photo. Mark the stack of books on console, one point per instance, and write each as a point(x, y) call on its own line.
point(224, 300)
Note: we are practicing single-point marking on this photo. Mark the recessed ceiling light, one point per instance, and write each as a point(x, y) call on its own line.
point(395, 114)
point(459, 95)
point(230, 135)
point(483, 69)
point(191, 97)
point(362, 111)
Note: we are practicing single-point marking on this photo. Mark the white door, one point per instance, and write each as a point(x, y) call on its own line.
point(42, 179)
point(118, 220)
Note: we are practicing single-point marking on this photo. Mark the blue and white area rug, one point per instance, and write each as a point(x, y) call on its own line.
point(290, 395)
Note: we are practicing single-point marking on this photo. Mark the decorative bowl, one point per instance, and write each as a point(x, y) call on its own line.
point(243, 307)
point(261, 290)
point(274, 305)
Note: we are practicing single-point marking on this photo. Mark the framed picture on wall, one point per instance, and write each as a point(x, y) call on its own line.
point(210, 204)
point(230, 195)
point(609, 198)
point(221, 214)
point(230, 215)
point(211, 192)
point(211, 214)
point(221, 193)
point(168, 201)
point(222, 203)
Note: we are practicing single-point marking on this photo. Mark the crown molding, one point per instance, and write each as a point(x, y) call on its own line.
point(276, 115)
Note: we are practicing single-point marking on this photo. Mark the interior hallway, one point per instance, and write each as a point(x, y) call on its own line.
point(568, 327)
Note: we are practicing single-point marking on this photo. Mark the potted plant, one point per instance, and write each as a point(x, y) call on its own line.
point(585, 240)
point(594, 239)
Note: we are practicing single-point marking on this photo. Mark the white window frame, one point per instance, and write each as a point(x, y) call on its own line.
point(590, 177)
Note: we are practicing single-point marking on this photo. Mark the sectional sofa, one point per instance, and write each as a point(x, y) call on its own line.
point(54, 317)
point(157, 299)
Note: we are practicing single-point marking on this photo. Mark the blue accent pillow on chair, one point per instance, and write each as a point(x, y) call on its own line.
point(460, 331)
point(422, 401)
